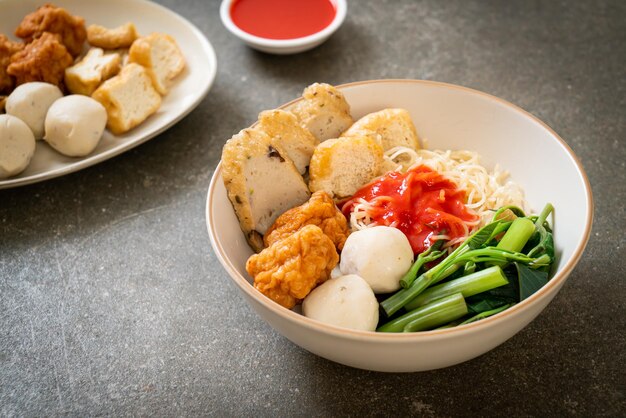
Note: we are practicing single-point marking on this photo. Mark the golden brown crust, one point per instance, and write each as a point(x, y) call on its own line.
point(321, 211)
point(49, 18)
point(389, 127)
point(324, 111)
point(114, 38)
point(44, 59)
point(85, 76)
point(289, 269)
point(7, 49)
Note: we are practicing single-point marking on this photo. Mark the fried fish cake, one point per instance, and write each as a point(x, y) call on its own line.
point(44, 59)
point(53, 19)
point(7, 49)
point(290, 268)
point(324, 111)
point(319, 210)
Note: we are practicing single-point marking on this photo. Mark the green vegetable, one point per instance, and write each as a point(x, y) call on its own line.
point(429, 316)
point(518, 235)
point(481, 249)
point(431, 254)
point(469, 285)
point(530, 280)
point(485, 314)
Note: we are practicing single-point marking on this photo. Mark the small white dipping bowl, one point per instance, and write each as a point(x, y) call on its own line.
point(284, 46)
point(449, 117)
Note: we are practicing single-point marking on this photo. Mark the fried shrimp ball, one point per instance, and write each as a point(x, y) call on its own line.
point(320, 210)
point(53, 19)
point(7, 49)
point(290, 268)
point(44, 59)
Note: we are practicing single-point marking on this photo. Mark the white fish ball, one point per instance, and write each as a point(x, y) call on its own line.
point(17, 145)
point(75, 124)
point(346, 301)
point(30, 102)
point(381, 255)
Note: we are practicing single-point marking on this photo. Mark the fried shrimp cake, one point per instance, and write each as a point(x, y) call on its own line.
point(7, 49)
point(319, 210)
point(44, 59)
point(290, 268)
point(53, 19)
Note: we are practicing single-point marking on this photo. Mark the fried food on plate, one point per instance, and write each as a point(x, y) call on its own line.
point(324, 111)
point(160, 55)
point(114, 38)
point(283, 128)
point(49, 18)
point(44, 59)
point(390, 127)
point(261, 182)
point(85, 76)
point(290, 268)
point(342, 166)
point(129, 98)
point(320, 210)
point(7, 49)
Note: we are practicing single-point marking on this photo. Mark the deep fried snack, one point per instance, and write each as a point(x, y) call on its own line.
point(290, 268)
point(50, 18)
point(44, 59)
point(321, 211)
point(7, 49)
point(114, 38)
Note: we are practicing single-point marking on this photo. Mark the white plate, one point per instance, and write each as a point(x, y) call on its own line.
point(188, 90)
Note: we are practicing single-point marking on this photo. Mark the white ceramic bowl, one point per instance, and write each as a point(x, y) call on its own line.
point(450, 117)
point(284, 46)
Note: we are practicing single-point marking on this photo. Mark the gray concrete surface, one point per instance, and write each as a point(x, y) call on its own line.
point(112, 302)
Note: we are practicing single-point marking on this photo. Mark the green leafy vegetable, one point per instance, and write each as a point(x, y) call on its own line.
point(530, 280)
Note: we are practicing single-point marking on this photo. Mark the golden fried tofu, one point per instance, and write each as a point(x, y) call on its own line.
point(321, 211)
point(324, 111)
point(390, 127)
point(85, 76)
point(44, 59)
point(342, 166)
point(284, 129)
point(7, 49)
point(49, 18)
point(114, 38)
point(290, 268)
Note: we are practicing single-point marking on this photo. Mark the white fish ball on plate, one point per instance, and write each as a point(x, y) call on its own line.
point(30, 102)
point(346, 301)
point(380, 254)
point(75, 124)
point(17, 145)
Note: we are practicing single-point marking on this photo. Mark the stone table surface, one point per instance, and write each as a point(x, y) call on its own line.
point(113, 303)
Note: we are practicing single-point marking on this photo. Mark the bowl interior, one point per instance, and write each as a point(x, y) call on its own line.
point(452, 117)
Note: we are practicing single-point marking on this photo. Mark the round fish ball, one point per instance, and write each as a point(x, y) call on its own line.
point(381, 255)
point(345, 301)
point(75, 124)
point(30, 102)
point(17, 145)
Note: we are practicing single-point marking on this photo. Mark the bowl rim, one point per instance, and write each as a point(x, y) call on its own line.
point(432, 335)
point(341, 8)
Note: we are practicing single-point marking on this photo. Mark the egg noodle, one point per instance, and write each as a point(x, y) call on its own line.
point(486, 191)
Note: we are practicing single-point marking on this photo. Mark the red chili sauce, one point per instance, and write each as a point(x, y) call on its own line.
point(421, 203)
point(282, 19)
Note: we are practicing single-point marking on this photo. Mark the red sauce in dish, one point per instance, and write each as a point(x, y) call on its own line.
point(421, 203)
point(282, 19)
